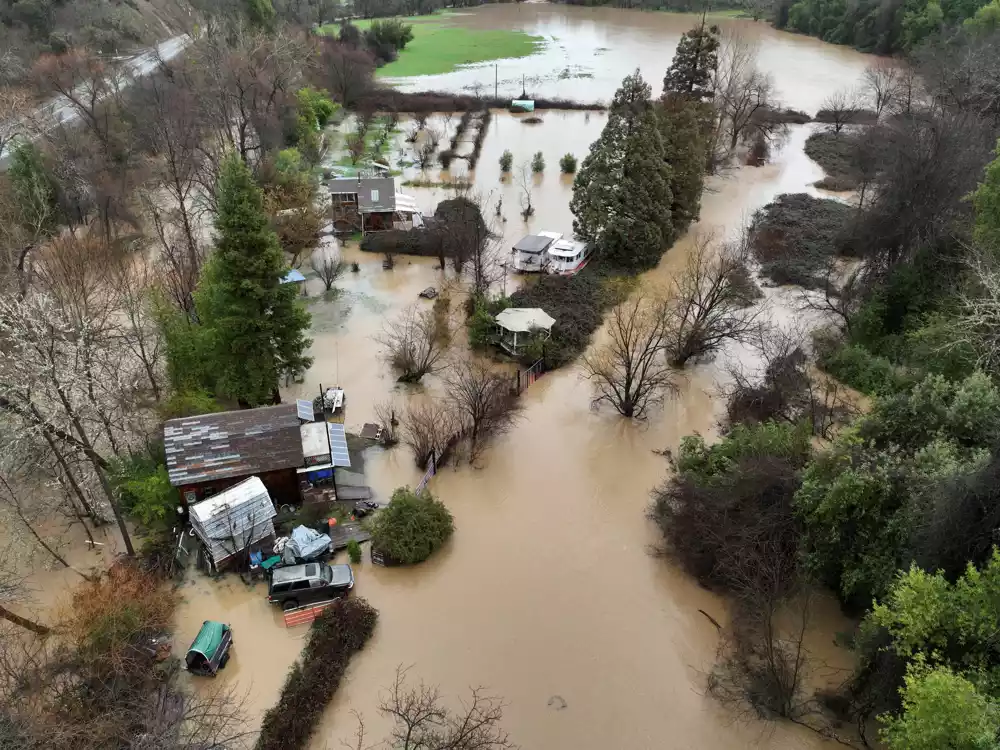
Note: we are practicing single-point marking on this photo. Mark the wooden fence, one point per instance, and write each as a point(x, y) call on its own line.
point(305, 614)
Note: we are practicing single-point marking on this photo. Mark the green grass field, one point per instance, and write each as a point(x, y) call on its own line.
point(439, 47)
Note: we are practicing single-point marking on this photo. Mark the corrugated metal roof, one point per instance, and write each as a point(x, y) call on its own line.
point(232, 444)
point(234, 519)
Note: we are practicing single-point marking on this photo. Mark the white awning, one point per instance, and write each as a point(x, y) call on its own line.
point(523, 319)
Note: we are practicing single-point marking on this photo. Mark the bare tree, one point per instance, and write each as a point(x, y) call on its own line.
point(426, 427)
point(13, 589)
point(785, 387)
point(387, 415)
point(839, 296)
point(469, 238)
point(421, 722)
point(416, 343)
point(483, 400)
point(709, 305)
point(978, 324)
point(524, 181)
point(743, 94)
point(841, 108)
point(629, 371)
point(882, 80)
point(328, 266)
point(14, 105)
point(344, 71)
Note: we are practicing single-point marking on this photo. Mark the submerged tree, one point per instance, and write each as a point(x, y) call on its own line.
point(629, 372)
point(621, 196)
point(256, 327)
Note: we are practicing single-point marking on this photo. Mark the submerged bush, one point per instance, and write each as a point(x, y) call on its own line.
point(567, 164)
point(538, 163)
point(353, 551)
point(340, 631)
point(506, 161)
point(411, 526)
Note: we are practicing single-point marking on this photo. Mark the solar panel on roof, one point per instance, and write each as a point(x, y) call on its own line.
point(304, 409)
point(339, 455)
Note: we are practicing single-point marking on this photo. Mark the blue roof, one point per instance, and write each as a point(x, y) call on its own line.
point(293, 276)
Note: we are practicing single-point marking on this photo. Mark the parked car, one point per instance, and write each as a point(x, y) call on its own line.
point(210, 651)
point(294, 585)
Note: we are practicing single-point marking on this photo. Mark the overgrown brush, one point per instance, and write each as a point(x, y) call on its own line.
point(337, 634)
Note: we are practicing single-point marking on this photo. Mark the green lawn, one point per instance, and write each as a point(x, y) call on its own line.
point(439, 47)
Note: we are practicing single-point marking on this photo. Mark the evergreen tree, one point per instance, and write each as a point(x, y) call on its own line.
point(621, 195)
point(694, 63)
point(683, 124)
point(255, 328)
point(986, 200)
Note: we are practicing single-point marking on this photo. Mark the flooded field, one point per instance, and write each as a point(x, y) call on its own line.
point(549, 593)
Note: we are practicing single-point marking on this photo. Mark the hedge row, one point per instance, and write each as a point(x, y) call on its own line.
point(340, 631)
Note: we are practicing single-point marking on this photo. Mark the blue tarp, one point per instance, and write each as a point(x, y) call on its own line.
point(305, 544)
point(292, 277)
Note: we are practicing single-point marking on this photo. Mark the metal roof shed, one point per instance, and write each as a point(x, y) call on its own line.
point(234, 519)
point(522, 321)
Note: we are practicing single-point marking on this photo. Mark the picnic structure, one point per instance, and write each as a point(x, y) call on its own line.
point(520, 325)
point(371, 204)
point(234, 521)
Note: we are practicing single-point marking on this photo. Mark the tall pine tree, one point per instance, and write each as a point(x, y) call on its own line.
point(693, 67)
point(683, 123)
point(621, 195)
point(255, 327)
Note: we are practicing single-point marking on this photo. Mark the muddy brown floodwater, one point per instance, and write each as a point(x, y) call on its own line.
point(548, 593)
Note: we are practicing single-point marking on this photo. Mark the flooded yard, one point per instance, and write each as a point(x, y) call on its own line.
point(550, 592)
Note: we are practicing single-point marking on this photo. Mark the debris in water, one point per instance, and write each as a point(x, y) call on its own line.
point(557, 702)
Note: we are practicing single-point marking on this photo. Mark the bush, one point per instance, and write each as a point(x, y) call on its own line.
point(734, 526)
point(773, 440)
point(411, 527)
point(506, 161)
point(353, 551)
point(340, 631)
point(567, 164)
point(576, 302)
point(538, 163)
point(837, 154)
point(144, 490)
point(862, 370)
point(796, 236)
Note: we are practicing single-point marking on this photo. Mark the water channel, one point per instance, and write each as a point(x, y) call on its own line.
point(549, 593)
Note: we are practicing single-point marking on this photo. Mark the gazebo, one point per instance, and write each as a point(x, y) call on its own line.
point(517, 324)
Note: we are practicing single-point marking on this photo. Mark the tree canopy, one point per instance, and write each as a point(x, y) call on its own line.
point(621, 195)
point(255, 327)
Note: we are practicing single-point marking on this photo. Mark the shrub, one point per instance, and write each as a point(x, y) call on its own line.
point(567, 164)
point(538, 163)
point(411, 526)
point(773, 440)
point(576, 302)
point(144, 490)
point(354, 551)
point(837, 154)
point(862, 370)
point(506, 161)
point(355, 267)
point(336, 635)
point(112, 615)
point(796, 236)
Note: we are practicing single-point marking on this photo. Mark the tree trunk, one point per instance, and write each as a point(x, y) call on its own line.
point(23, 622)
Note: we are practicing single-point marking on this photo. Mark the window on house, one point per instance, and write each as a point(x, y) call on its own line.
point(374, 196)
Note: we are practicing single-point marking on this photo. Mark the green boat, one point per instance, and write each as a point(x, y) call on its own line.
point(210, 650)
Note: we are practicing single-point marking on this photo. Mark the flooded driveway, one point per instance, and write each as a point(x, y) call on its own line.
point(549, 593)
